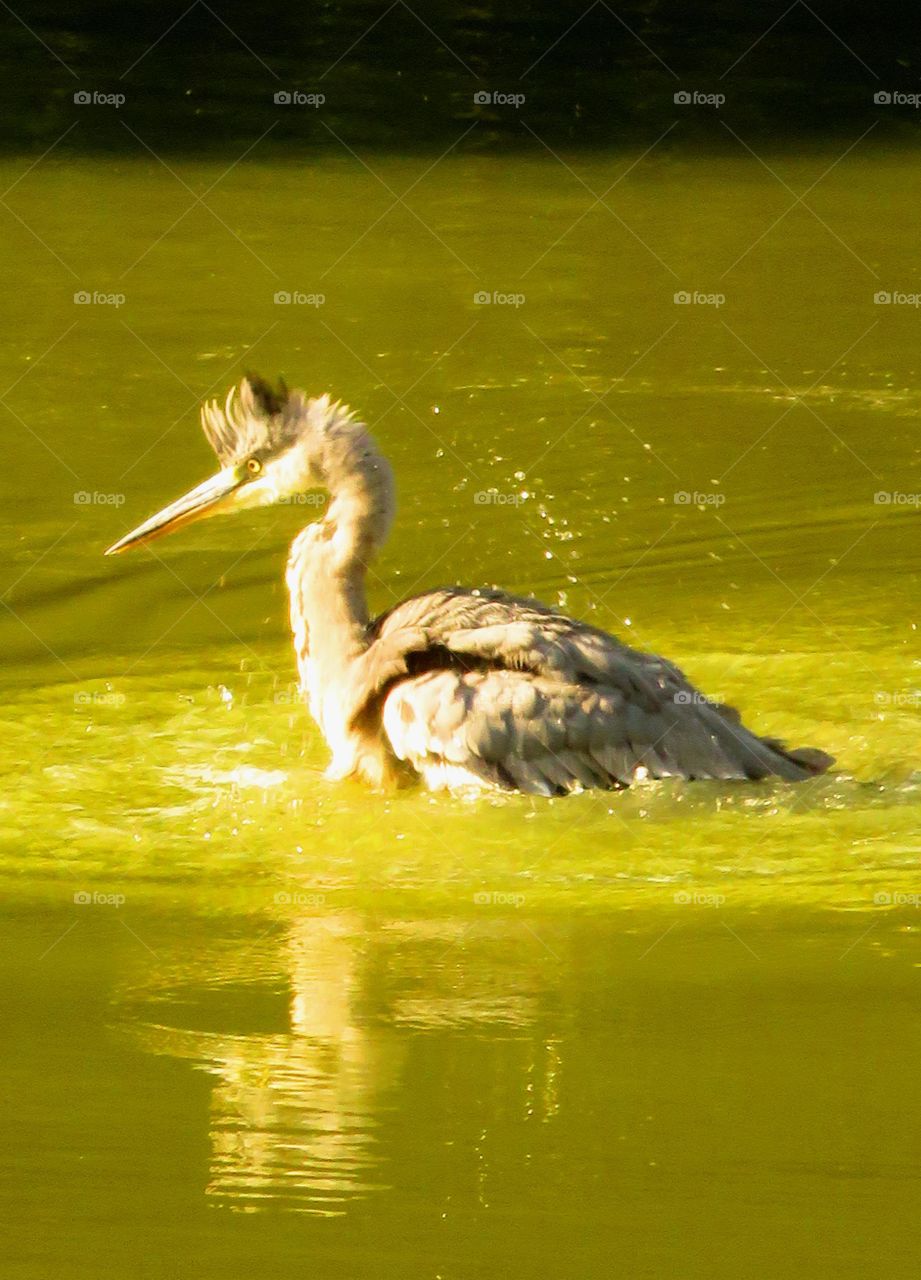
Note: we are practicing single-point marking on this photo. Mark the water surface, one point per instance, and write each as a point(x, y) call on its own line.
point(268, 1021)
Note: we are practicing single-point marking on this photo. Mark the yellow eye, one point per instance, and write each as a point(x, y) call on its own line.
point(253, 466)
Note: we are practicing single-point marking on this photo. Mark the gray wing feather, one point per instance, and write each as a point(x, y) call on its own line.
point(532, 699)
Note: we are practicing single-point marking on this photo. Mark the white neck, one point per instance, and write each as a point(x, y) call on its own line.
point(326, 574)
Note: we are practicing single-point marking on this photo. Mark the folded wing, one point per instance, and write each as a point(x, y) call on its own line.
point(511, 693)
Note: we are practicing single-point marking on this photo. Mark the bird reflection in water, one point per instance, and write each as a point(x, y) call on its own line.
point(297, 1114)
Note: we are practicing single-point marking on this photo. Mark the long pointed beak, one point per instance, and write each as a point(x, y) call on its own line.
point(207, 499)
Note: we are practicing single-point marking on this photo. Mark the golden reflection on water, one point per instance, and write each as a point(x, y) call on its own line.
point(295, 1113)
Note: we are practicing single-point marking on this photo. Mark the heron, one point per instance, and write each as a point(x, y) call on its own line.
point(455, 687)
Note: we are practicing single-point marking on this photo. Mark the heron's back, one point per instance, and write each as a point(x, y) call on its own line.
point(489, 687)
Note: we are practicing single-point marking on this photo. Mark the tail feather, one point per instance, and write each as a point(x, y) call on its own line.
point(811, 760)
point(759, 757)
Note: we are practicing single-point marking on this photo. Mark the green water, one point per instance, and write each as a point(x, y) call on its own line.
point(269, 1025)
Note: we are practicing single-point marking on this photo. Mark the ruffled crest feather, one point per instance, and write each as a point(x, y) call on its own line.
point(257, 417)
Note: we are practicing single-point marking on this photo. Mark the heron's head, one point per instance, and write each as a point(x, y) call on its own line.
point(271, 445)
